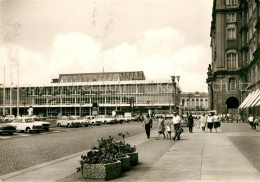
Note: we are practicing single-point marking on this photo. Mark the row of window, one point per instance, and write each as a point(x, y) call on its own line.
point(231, 2)
point(111, 99)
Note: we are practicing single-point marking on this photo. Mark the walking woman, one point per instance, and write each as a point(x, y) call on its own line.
point(190, 123)
point(210, 122)
point(148, 122)
point(216, 122)
point(161, 127)
point(203, 122)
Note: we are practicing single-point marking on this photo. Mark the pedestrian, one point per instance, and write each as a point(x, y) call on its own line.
point(203, 122)
point(239, 118)
point(169, 131)
point(216, 122)
point(161, 127)
point(176, 124)
point(257, 122)
point(147, 123)
point(210, 122)
point(190, 123)
point(251, 120)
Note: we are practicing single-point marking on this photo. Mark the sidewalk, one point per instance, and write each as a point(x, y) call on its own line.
point(196, 157)
point(202, 157)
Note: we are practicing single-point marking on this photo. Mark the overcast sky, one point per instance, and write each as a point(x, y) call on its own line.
point(52, 37)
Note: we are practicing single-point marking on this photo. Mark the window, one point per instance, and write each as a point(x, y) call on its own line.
point(232, 84)
point(231, 17)
point(231, 61)
point(231, 2)
point(231, 33)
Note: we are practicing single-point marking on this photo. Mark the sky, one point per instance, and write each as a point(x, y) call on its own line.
point(51, 37)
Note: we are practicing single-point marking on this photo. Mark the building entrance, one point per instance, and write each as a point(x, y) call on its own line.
point(232, 104)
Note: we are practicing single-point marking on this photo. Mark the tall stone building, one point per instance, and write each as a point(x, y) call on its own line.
point(235, 42)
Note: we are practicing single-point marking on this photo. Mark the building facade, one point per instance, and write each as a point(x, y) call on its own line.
point(194, 101)
point(235, 42)
point(81, 94)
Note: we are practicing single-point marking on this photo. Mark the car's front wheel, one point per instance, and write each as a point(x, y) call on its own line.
point(59, 125)
point(28, 130)
point(68, 125)
point(11, 133)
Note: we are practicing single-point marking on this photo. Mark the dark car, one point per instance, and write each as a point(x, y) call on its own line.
point(6, 128)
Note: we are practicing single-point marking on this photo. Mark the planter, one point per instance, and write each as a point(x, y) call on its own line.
point(125, 163)
point(133, 158)
point(102, 171)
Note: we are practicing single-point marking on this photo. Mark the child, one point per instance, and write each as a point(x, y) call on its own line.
point(169, 132)
point(161, 127)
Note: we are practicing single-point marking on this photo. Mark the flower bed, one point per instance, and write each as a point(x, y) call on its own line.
point(125, 163)
point(133, 158)
point(102, 171)
point(106, 161)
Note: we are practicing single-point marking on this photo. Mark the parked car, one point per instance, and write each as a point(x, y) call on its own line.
point(45, 125)
point(121, 119)
point(9, 118)
point(5, 127)
point(95, 121)
point(107, 119)
point(68, 121)
point(83, 121)
point(26, 124)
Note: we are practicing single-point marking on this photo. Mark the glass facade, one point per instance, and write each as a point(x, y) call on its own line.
point(72, 98)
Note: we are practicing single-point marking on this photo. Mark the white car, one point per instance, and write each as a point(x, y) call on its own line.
point(9, 118)
point(69, 121)
point(106, 119)
point(26, 124)
point(95, 121)
point(122, 119)
point(83, 121)
point(45, 125)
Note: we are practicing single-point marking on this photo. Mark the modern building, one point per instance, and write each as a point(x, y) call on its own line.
point(194, 101)
point(235, 41)
point(93, 93)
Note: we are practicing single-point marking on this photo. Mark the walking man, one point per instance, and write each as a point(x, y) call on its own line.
point(148, 122)
point(176, 123)
point(190, 122)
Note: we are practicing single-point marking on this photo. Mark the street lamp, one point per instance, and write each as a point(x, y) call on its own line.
point(148, 102)
point(24, 108)
point(175, 80)
point(80, 104)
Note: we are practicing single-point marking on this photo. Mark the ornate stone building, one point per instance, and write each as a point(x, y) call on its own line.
point(194, 101)
point(235, 42)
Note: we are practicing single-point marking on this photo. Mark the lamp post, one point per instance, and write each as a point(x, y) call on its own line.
point(24, 108)
point(80, 108)
point(189, 102)
point(148, 102)
point(175, 80)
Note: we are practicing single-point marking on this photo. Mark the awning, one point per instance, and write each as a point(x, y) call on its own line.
point(245, 101)
point(256, 99)
point(255, 94)
point(251, 100)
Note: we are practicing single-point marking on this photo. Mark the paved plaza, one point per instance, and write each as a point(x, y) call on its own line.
point(197, 156)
